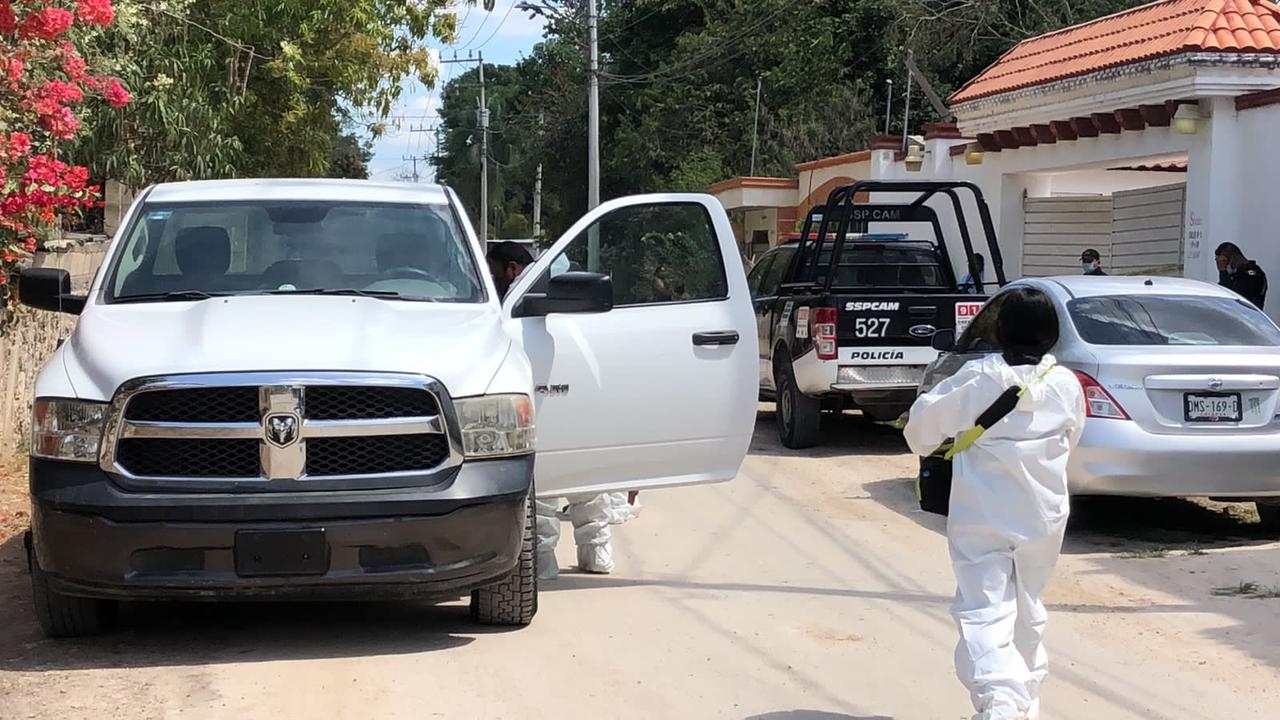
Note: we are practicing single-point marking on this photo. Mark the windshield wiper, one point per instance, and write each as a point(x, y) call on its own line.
point(347, 291)
point(169, 296)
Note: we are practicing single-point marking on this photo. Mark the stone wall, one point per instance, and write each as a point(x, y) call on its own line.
point(32, 337)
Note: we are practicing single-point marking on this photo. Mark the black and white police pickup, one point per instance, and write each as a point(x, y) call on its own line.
point(847, 322)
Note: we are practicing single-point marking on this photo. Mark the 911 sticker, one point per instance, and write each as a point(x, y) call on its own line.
point(802, 323)
point(965, 313)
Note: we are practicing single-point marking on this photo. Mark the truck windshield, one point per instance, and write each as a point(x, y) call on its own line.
point(883, 265)
point(194, 250)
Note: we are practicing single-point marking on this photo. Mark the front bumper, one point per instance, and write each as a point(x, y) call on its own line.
point(94, 539)
point(1116, 457)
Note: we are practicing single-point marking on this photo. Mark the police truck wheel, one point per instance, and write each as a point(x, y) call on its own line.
point(799, 416)
point(933, 485)
point(65, 616)
point(1269, 512)
point(514, 601)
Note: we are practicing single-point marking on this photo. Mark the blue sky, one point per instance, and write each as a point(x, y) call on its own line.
point(504, 35)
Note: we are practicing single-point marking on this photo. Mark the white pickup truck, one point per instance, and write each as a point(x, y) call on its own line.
point(310, 388)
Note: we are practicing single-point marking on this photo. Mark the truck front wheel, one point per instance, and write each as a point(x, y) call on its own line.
point(798, 415)
point(514, 601)
point(65, 616)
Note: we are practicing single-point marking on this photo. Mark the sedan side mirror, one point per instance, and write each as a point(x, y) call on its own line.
point(570, 292)
point(944, 340)
point(49, 289)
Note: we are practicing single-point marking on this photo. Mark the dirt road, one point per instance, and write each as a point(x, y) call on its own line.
point(808, 588)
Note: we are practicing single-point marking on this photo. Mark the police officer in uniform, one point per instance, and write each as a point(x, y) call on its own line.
point(1240, 274)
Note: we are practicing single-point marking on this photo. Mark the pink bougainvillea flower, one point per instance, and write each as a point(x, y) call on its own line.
point(72, 64)
point(115, 93)
point(14, 68)
point(46, 23)
point(95, 12)
point(8, 21)
point(19, 145)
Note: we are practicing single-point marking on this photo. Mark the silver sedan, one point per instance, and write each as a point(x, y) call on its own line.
point(1182, 380)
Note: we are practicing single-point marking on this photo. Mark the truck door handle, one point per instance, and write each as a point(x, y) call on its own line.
point(720, 337)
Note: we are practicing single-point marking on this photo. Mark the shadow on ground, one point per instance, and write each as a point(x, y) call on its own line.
point(814, 715)
point(183, 634)
point(848, 433)
point(1118, 524)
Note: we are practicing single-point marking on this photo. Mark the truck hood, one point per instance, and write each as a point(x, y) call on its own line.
point(462, 345)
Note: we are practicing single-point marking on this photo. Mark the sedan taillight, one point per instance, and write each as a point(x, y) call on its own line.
point(824, 332)
point(1098, 402)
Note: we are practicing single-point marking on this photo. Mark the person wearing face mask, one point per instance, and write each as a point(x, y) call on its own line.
point(1241, 275)
point(1091, 262)
point(1015, 418)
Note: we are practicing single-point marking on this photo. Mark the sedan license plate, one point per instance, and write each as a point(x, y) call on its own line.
point(1212, 407)
point(281, 552)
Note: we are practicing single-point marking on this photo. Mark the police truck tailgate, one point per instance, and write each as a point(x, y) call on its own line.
point(897, 329)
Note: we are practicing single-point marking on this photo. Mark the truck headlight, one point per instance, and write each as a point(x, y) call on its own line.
point(496, 425)
point(64, 429)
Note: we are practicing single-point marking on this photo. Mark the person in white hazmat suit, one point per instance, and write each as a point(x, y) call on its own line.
point(1009, 505)
point(591, 515)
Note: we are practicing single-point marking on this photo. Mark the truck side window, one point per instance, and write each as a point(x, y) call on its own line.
point(776, 272)
point(980, 337)
point(654, 253)
point(755, 279)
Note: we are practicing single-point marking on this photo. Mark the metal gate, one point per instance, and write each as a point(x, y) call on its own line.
point(1137, 232)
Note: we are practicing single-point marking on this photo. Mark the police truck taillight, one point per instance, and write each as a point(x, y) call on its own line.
point(824, 332)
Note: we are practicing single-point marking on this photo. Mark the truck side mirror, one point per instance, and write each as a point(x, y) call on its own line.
point(49, 289)
point(570, 292)
point(944, 340)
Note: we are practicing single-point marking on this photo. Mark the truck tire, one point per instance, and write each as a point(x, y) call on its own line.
point(513, 601)
point(933, 485)
point(1269, 514)
point(65, 616)
point(799, 416)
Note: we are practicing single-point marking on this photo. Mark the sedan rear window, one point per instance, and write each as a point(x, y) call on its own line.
point(1171, 320)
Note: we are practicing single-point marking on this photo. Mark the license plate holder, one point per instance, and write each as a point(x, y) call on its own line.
point(276, 553)
point(1212, 407)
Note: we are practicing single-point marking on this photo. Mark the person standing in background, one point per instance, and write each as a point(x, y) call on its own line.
point(1091, 262)
point(1241, 275)
point(969, 284)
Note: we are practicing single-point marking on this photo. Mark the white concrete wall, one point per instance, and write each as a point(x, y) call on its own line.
point(1107, 182)
point(1257, 163)
point(759, 219)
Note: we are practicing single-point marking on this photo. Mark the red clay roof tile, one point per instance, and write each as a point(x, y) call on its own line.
point(1156, 30)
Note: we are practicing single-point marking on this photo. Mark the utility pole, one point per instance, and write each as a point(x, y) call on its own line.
point(482, 121)
point(755, 128)
point(414, 159)
point(537, 203)
point(888, 106)
point(593, 109)
point(484, 156)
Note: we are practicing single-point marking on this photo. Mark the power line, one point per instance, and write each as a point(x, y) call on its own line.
point(500, 24)
point(476, 34)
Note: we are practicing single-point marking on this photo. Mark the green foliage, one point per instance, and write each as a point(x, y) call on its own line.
point(350, 157)
point(233, 88)
point(678, 90)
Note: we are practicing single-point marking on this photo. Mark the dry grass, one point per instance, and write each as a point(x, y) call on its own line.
point(1250, 590)
point(15, 508)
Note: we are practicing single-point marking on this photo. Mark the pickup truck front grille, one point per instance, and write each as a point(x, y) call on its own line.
point(320, 428)
point(178, 457)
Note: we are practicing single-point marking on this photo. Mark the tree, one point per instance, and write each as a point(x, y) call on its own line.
point(350, 157)
point(233, 88)
point(43, 79)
